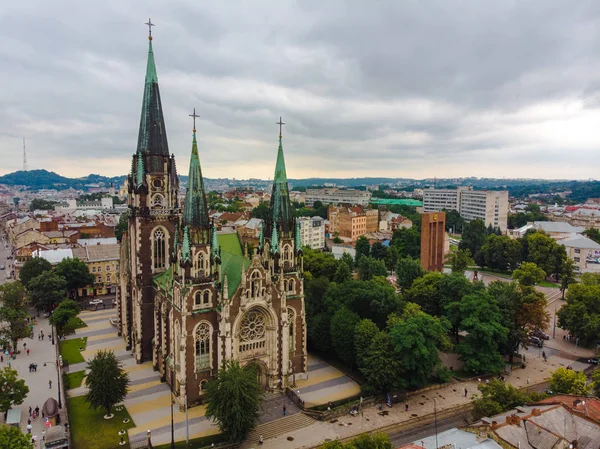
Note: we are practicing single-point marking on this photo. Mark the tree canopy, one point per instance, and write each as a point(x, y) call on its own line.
point(13, 390)
point(47, 290)
point(33, 268)
point(13, 438)
point(107, 381)
point(75, 272)
point(581, 314)
point(497, 397)
point(407, 270)
point(567, 381)
point(473, 236)
point(343, 324)
point(13, 313)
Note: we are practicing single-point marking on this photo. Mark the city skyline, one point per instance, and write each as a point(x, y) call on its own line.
point(412, 91)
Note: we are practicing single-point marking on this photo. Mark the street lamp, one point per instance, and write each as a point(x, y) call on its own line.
point(435, 421)
point(57, 380)
point(172, 422)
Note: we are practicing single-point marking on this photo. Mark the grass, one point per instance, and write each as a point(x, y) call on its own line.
point(74, 380)
point(69, 350)
point(196, 443)
point(548, 284)
point(89, 429)
point(74, 323)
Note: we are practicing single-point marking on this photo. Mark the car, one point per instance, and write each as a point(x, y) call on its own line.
point(96, 302)
point(535, 341)
point(2, 267)
point(540, 334)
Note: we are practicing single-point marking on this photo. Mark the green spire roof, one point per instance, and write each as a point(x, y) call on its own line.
point(280, 214)
point(186, 252)
point(214, 245)
point(152, 137)
point(261, 237)
point(195, 209)
point(298, 240)
point(274, 241)
point(139, 175)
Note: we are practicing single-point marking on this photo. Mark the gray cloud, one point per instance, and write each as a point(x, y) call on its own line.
point(407, 89)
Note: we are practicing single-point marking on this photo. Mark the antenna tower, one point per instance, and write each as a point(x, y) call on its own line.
point(24, 156)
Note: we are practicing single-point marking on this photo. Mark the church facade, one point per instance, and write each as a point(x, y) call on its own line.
point(190, 297)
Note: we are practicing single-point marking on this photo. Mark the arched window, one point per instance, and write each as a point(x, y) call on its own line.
point(206, 298)
point(200, 264)
point(203, 386)
point(291, 316)
point(157, 200)
point(255, 285)
point(202, 337)
point(253, 331)
point(159, 248)
point(291, 286)
point(198, 299)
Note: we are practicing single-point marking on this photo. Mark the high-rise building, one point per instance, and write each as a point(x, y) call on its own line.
point(312, 232)
point(337, 196)
point(491, 206)
point(433, 231)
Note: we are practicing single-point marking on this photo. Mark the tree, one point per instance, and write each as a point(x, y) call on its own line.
point(416, 341)
point(76, 274)
point(107, 381)
point(41, 204)
point(47, 290)
point(500, 252)
point(482, 323)
point(65, 311)
point(369, 267)
point(596, 382)
point(378, 251)
point(234, 400)
point(364, 332)
point(407, 271)
point(13, 438)
point(382, 370)
point(33, 268)
point(261, 211)
point(13, 313)
point(545, 252)
point(391, 260)
point(13, 390)
point(348, 259)
point(454, 222)
point(407, 241)
point(362, 248)
point(529, 274)
point(497, 397)
point(593, 234)
point(567, 275)
point(343, 273)
point(343, 324)
point(366, 441)
point(460, 260)
point(590, 278)
point(473, 236)
point(567, 381)
point(434, 291)
point(581, 314)
point(121, 226)
point(319, 263)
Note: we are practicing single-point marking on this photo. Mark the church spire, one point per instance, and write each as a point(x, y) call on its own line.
point(152, 137)
point(280, 213)
point(195, 209)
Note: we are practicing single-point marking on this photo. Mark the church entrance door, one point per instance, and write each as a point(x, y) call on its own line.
point(260, 370)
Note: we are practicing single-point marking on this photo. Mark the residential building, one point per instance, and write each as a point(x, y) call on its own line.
point(352, 222)
point(337, 196)
point(491, 206)
point(584, 252)
point(73, 205)
point(312, 232)
point(555, 229)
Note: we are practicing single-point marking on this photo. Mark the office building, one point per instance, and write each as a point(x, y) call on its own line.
point(337, 196)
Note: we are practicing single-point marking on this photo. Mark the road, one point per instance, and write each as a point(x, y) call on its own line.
point(426, 430)
point(8, 263)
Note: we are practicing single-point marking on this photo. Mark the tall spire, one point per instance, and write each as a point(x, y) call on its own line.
point(280, 214)
point(195, 209)
point(152, 137)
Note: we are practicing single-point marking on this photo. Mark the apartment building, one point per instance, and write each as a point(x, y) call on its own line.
point(312, 232)
point(584, 252)
point(337, 196)
point(352, 222)
point(491, 206)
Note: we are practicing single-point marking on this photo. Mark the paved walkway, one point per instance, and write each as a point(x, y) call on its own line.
point(41, 351)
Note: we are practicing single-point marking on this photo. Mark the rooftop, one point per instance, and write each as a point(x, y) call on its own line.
point(232, 259)
point(557, 227)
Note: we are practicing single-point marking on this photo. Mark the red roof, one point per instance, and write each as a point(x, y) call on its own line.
point(591, 409)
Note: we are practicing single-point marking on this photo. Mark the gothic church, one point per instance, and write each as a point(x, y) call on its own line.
point(189, 297)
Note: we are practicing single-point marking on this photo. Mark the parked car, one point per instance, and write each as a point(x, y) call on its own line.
point(2, 267)
point(540, 334)
point(96, 302)
point(535, 341)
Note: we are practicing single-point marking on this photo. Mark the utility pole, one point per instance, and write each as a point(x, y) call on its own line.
point(435, 420)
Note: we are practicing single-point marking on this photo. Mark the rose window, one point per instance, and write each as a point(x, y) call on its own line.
point(253, 326)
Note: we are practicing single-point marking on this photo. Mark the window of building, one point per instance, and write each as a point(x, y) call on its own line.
point(108, 278)
point(99, 280)
point(200, 264)
point(291, 316)
point(108, 268)
point(157, 200)
point(577, 251)
point(159, 249)
point(99, 269)
point(202, 336)
point(255, 285)
point(93, 269)
point(576, 259)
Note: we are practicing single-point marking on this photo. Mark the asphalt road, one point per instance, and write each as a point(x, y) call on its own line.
point(8, 263)
point(414, 435)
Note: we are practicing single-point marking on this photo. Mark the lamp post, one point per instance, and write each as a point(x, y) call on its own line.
point(435, 421)
point(172, 422)
point(57, 380)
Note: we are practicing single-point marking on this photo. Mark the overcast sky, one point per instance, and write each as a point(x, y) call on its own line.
point(396, 88)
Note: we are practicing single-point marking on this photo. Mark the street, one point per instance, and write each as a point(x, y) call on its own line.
point(8, 263)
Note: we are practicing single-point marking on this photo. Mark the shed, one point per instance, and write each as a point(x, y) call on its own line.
point(13, 417)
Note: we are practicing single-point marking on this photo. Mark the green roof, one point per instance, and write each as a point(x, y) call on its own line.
point(164, 280)
point(232, 259)
point(195, 209)
point(280, 211)
point(397, 202)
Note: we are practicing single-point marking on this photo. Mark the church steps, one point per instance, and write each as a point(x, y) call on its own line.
point(276, 428)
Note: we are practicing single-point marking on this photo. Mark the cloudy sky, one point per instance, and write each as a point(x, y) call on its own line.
point(411, 88)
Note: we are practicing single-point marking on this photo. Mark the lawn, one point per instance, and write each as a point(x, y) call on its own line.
point(89, 429)
point(548, 284)
point(74, 323)
point(69, 350)
point(74, 380)
point(196, 443)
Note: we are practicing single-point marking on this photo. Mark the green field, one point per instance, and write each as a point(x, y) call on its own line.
point(69, 350)
point(74, 323)
point(74, 380)
point(89, 429)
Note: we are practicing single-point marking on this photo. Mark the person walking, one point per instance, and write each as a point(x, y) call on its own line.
point(527, 380)
point(50, 384)
point(27, 351)
point(30, 409)
point(406, 407)
point(466, 391)
point(260, 440)
point(284, 410)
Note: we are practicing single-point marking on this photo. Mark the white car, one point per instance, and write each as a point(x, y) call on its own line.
point(96, 302)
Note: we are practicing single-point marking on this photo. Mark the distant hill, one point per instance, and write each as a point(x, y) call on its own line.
point(44, 179)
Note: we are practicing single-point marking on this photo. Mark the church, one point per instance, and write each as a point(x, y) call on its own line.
point(190, 297)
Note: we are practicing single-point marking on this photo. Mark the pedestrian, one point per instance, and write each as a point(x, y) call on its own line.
point(29, 429)
point(50, 384)
point(30, 409)
point(1, 358)
point(284, 410)
point(27, 351)
point(527, 380)
point(406, 407)
point(466, 391)
point(260, 440)
point(544, 355)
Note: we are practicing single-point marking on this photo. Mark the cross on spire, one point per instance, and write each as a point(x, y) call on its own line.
point(194, 115)
point(280, 123)
point(150, 25)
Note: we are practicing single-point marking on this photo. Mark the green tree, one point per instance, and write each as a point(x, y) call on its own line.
point(369, 267)
point(407, 271)
point(13, 313)
point(76, 273)
point(567, 275)
point(13, 390)
point(261, 211)
point(121, 226)
point(473, 236)
point(593, 234)
point(590, 278)
point(33, 268)
point(497, 397)
point(500, 252)
point(596, 382)
point(343, 324)
point(454, 222)
point(366, 441)
point(529, 274)
point(545, 252)
point(319, 263)
point(234, 398)
point(319, 331)
point(382, 370)
point(378, 251)
point(391, 260)
point(13, 438)
point(484, 333)
point(416, 341)
point(365, 331)
point(47, 290)
point(407, 241)
point(41, 204)
point(343, 273)
point(460, 260)
point(107, 381)
point(348, 259)
point(362, 248)
point(581, 314)
point(65, 311)
point(568, 381)
point(434, 291)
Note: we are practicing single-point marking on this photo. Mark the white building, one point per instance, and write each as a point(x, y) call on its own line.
point(312, 232)
point(337, 196)
point(491, 206)
point(584, 252)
